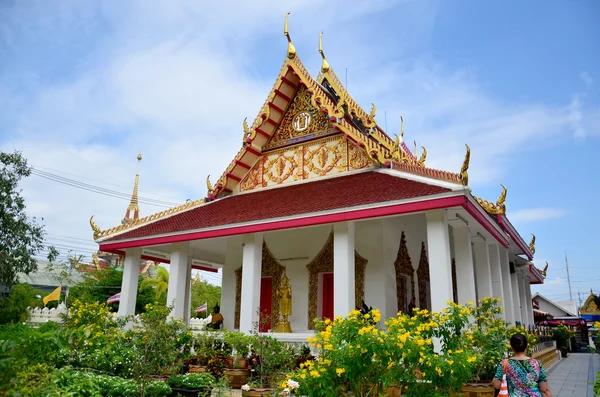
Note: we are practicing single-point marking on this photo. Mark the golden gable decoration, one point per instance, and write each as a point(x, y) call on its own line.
point(301, 120)
point(403, 267)
point(423, 276)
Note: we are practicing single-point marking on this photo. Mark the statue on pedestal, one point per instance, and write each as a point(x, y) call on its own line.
point(285, 305)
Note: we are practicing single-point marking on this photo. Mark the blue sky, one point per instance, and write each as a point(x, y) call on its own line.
point(85, 85)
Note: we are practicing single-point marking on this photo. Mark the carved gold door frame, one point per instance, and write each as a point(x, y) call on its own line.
point(404, 267)
point(323, 263)
point(423, 275)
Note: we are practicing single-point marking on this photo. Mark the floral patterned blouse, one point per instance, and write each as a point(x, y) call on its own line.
point(523, 377)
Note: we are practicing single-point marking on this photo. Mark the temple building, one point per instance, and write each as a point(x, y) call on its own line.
point(318, 192)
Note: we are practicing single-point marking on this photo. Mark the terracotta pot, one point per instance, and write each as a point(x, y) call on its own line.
point(483, 389)
point(197, 369)
point(257, 392)
point(240, 363)
point(237, 377)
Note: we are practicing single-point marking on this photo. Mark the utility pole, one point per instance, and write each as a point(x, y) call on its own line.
point(568, 277)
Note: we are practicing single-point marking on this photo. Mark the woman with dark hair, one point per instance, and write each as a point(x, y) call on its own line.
point(525, 376)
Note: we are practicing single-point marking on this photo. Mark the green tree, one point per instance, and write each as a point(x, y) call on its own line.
point(202, 292)
point(98, 286)
point(159, 284)
point(13, 308)
point(21, 238)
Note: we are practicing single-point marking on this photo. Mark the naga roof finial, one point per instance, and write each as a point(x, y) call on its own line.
point(545, 269)
point(95, 228)
point(421, 161)
point(464, 175)
point(401, 127)
point(532, 244)
point(209, 185)
point(291, 51)
point(502, 200)
point(324, 63)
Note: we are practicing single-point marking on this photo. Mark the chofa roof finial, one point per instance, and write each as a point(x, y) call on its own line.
point(324, 63)
point(291, 51)
point(464, 175)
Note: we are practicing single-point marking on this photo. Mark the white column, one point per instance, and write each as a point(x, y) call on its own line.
point(514, 281)
point(465, 272)
point(385, 272)
point(508, 304)
point(529, 301)
point(233, 260)
point(188, 292)
point(177, 275)
point(482, 264)
point(129, 285)
point(496, 272)
point(343, 268)
point(523, 297)
point(440, 262)
point(251, 272)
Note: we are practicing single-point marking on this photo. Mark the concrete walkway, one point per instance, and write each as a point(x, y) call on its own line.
point(574, 376)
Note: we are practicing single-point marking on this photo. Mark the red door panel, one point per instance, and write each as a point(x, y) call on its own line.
point(327, 304)
point(266, 296)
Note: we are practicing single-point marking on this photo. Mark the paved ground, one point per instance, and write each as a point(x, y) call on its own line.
point(574, 375)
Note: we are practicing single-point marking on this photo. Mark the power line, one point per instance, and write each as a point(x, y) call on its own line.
point(100, 190)
point(95, 180)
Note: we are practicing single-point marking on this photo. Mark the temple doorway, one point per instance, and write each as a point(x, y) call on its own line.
point(327, 296)
point(266, 304)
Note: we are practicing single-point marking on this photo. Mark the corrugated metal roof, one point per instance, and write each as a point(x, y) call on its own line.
point(43, 276)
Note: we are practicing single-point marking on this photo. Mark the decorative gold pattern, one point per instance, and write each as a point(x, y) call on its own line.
point(590, 307)
point(464, 175)
point(323, 159)
point(254, 177)
point(494, 208)
point(301, 104)
point(301, 121)
point(280, 168)
point(269, 268)
point(323, 263)
point(403, 267)
point(154, 217)
point(532, 244)
point(356, 157)
point(423, 275)
point(209, 185)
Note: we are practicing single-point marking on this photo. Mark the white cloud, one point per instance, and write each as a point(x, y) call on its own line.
point(587, 80)
point(536, 214)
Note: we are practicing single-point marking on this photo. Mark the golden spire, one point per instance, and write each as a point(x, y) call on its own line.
point(291, 51)
point(532, 244)
point(134, 203)
point(464, 175)
point(324, 63)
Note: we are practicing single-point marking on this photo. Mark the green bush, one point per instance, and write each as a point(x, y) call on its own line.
point(192, 381)
point(13, 308)
point(157, 389)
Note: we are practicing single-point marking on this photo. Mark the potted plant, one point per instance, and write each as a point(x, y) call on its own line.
point(562, 334)
point(192, 385)
point(204, 348)
point(238, 373)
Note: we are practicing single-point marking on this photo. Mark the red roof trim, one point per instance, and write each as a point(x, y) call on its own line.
point(517, 239)
point(536, 274)
point(288, 82)
point(252, 150)
point(281, 94)
point(261, 132)
point(271, 104)
point(485, 222)
point(206, 269)
point(351, 215)
point(235, 178)
point(241, 164)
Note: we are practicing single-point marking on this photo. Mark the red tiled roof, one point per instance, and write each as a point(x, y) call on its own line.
point(322, 195)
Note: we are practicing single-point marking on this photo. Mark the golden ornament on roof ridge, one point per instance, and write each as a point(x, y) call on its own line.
point(532, 244)
point(499, 207)
point(209, 185)
point(464, 175)
point(291, 51)
point(95, 228)
point(324, 63)
point(545, 269)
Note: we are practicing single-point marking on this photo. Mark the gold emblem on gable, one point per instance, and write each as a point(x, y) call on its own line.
point(301, 121)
